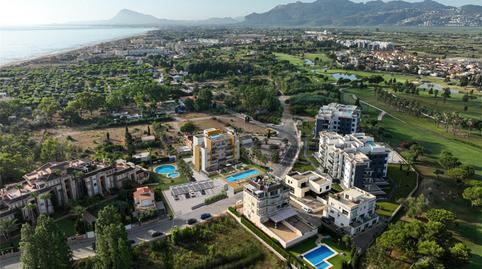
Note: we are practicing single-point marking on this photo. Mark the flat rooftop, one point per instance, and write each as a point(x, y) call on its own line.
point(310, 176)
point(353, 196)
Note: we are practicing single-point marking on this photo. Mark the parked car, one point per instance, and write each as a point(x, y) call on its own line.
point(191, 221)
point(154, 233)
point(206, 216)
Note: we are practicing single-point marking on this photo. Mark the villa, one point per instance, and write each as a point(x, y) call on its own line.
point(343, 119)
point(214, 150)
point(302, 183)
point(266, 204)
point(352, 210)
point(144, 199)
point(65, 182)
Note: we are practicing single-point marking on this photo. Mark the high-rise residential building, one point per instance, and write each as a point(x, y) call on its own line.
point(352, 210)
point(214, 150)
point(343, 119)
point(353, 158)
point(266, 204)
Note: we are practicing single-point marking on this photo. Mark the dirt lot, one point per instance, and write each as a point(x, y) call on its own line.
point(89, 139)
point(204, 121)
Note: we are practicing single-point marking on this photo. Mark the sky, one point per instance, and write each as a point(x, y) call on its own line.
point(32, 12)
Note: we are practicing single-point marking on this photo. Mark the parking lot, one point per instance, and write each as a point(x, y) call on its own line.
point(184, 198)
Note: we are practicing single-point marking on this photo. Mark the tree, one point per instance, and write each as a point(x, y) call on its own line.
point(78, 212)
point(416, 206)
point(460, 252)
point(46, 198)
point(447, 160)
point(7, 226)
point(28, 248)
point(440, 215)
point(204, 100)
point(58, 253)
point(474, 195)
point(48, 106)
point(46, 247)
point(129, 141)
point(111, 241)
point(461, 172)
point(430, 248)
point(52, 150)
point(189, 127)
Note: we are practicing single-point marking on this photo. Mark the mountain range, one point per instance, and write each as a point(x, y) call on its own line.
point(328, 13)
point(373, 13)
point(126, 17)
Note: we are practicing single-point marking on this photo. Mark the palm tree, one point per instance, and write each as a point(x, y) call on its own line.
point(470, 124)
point(46, 198)
point(31, 212)
point(7, 226)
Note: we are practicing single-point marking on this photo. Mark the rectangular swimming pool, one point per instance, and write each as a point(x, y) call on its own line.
point(243, 175)
point(318, 256)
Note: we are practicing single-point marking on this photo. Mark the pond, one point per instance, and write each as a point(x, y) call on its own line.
point(344, 76)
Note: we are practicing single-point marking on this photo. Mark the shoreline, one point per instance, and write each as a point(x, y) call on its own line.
point(17, 63)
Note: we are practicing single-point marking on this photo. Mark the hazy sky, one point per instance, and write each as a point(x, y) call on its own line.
point(18, 12)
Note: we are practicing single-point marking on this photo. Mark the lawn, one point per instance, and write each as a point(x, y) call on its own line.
point(386, 208)
point(322, 56)
point(164, 182)
point(434, 140)
point(343, 252)
point(403, 180)
point(67, 225)
point(295, 60)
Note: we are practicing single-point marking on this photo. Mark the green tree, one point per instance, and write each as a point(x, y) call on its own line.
point(460, 252)
point(52, 150)
point(111, 241)
point(416, 205)
point(7, 226)
point(44, 247)
point(48, 106)
point(204, 100)
point(189, 127)
point(29, 255)
point(474, 195)
point(447, 160)
point(440, 215)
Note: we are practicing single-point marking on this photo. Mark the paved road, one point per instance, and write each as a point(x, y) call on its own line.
point(382, 112)
point(83, 248)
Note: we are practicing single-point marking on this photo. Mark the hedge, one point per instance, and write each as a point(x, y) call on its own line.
point(215, 198)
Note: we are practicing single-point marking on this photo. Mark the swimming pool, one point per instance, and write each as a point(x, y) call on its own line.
point(167, 170)
point(318, 256)
point(243, 175)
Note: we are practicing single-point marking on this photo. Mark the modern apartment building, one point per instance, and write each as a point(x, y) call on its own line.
point(214, 149)
point(343, 119)
point(354, 159)
point(266, 204)
point(65, 182)
point(309, 181)
point(352, 210)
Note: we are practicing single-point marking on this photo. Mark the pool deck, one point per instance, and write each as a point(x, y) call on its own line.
point(241, 182)
point(325, 259)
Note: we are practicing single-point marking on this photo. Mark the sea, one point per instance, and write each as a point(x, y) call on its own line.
point(24, 43)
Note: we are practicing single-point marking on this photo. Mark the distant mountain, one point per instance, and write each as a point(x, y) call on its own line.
point(126, 17)
point(374, 13)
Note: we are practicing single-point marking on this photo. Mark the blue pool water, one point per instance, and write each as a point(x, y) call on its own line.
point(243, 175)
point(167, 170)
point(318, 256)
point(345, 76)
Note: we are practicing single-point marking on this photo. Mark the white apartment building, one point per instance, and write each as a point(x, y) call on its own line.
point(353, 158)
point(343, 119)
point(213, 150)
point(301, 183)
point(353, 210)
point(266, 204)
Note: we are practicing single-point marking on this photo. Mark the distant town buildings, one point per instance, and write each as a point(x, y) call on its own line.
point(214, 149)
point(266, 204)
point(352, 210)
point(354, 159)
point(344, 119)
point(367, 44)
point(65, 182)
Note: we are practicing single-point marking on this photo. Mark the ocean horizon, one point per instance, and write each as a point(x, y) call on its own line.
point(24, 43)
